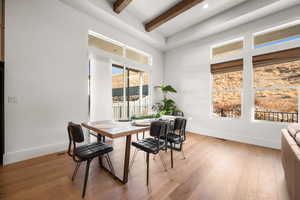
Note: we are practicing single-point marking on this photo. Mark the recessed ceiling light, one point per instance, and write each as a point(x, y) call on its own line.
point(205, 5)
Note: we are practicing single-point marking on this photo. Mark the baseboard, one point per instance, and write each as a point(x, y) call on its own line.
point(25, 154)
point(240, 138)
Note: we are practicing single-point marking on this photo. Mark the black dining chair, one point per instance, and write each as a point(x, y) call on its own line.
point(85, 152)
point(135, 151)
point(178, 113)
point(153, 144)
point(176, 137)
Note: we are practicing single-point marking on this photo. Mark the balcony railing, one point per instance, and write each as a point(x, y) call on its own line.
point(235, 113)
point(121, 111)
point(291, 117)
point(277, 116)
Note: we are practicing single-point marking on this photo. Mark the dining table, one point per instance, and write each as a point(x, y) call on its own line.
point(117, 129)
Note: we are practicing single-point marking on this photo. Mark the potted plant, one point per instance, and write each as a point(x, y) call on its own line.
point(167, 106)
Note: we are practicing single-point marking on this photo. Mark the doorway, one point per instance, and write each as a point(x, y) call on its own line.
point(130, 92)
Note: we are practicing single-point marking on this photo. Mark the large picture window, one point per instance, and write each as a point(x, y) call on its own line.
point(276, 82)
point(130, 92)
point(227, 82)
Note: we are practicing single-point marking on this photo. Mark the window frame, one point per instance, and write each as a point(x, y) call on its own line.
point(272, 29)
point(254, 90)
point(242, 38)
point(212, 91)
point(124, 48)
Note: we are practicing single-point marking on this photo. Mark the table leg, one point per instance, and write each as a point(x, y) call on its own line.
point(126, 161)
point(99, 139)
point(127, 158)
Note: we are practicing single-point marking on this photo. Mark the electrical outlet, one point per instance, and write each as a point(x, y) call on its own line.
point(12, 100)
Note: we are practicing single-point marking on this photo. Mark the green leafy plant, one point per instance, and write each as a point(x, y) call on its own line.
point(166, 89)
point(167, 106)
point(146, 116)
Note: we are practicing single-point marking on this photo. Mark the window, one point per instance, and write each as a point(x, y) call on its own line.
point(227, 49)
point(105, 45)
point(278, 35)
point(138, 56)
point(227, 82)
point(119, 49)
point(276, 82)
point(130, 92)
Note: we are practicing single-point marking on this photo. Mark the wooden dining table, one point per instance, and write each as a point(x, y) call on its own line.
point(113, 130)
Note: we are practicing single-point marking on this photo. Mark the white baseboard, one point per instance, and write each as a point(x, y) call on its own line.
point(25, 154)
point(240, 138)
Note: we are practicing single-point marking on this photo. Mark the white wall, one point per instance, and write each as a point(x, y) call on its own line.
point(188, 69)
point(46, 73)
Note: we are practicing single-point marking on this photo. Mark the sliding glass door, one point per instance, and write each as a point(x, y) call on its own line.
point(130, 92)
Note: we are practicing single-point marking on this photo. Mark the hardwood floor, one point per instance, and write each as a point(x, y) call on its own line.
point(213, 170)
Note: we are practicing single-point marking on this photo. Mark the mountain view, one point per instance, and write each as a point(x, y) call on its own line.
point(276, 91)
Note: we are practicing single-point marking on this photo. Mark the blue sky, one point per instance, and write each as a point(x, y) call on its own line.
point(116, 70)
point(278, 42)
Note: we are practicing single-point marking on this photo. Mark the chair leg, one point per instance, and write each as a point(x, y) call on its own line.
point(182, 152)
point(183, 155)
point(133, 159)
point(163, 161)
point(100, 161)
point(86, 177)
point(76, 170)
point(147, 160)
point(171, 155)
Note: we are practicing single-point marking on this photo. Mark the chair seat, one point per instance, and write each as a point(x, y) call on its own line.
point(89, 151)
point(174, 138)
point(149, 145)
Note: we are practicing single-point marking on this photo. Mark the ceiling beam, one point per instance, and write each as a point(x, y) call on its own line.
point(119, 5)
point(176, 10)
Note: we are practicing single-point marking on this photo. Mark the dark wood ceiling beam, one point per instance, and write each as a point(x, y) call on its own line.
point(119, 5)
point(176, 10)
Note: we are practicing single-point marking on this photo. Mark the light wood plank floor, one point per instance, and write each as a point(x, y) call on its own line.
point(213, 170)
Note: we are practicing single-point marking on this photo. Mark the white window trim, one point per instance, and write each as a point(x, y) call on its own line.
point(277, 28)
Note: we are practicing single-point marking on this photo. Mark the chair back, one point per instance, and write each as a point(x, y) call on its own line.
point(178, 113)
point(75, 132)
point(180, 126)
point(158, 128)
point(180, 123)
point(75, 136)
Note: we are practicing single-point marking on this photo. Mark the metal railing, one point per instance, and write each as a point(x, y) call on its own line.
point(121, 111)
point(277, 116)
point(235, 113)
point(291, 117)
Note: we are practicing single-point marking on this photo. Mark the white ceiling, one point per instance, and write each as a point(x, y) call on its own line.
point(145, 10)
point(194, 24)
